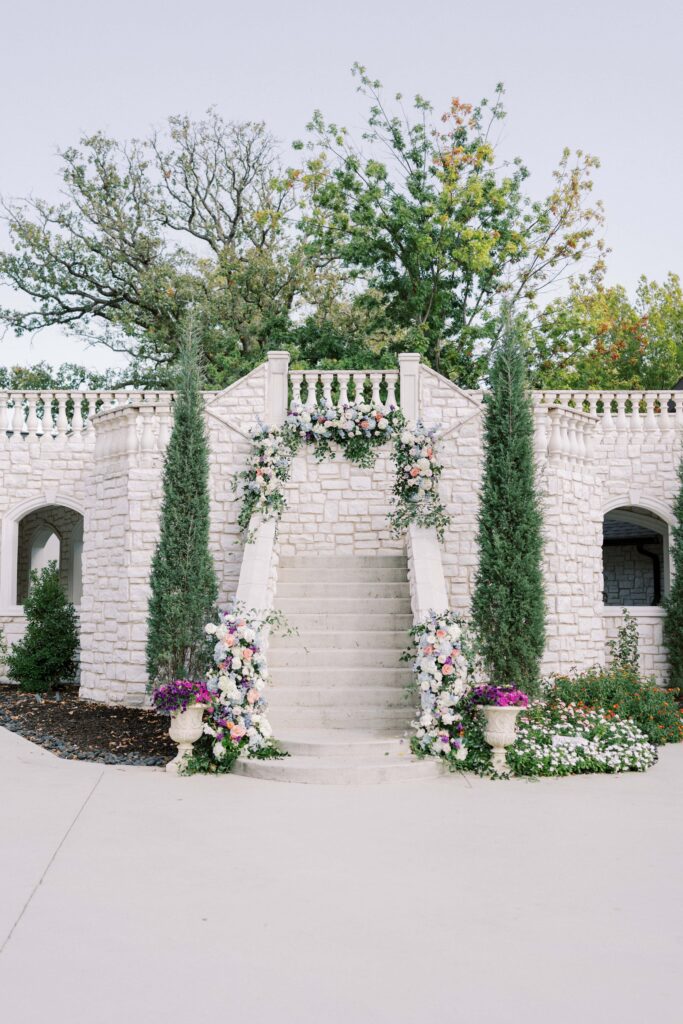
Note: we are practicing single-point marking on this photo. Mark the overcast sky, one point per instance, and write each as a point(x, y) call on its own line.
point(604, 75)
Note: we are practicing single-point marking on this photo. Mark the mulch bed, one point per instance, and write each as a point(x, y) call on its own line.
point(85, 731)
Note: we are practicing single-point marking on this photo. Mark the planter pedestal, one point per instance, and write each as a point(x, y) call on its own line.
point(185, 729)
point(501, 732)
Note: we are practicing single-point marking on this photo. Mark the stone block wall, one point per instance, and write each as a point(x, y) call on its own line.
point(333, 507)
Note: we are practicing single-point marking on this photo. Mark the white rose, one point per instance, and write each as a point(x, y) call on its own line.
point(210, 628)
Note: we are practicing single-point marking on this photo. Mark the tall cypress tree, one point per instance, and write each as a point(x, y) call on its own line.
point(183, 581)
point(508, 606)
point(673, 623)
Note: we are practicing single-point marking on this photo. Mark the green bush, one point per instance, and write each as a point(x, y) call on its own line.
point(46, 654)
point(620, 690)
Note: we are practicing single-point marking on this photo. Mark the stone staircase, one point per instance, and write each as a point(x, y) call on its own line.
point(338, 701)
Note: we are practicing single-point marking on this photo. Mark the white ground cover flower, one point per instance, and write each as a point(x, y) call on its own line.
point(564, 739)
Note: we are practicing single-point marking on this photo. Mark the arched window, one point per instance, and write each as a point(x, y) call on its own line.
point(52, 533)
point(635, 557)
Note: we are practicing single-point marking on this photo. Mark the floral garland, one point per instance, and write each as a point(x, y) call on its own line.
point(359, 429)
point(237, 722)
point(440, 667)
point(416, 488)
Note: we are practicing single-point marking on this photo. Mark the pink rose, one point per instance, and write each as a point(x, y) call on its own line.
point(447, 669)
point(229, 640)
point(247, 654)
point(252, 696)
point(237, 732)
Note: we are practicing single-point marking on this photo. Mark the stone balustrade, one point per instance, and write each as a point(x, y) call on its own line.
point(135, 427)
point(654, 411)
point(59, 413)
point(339, 387)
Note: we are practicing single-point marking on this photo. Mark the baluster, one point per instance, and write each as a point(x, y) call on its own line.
point(375, 381)
point(581, 438)
point(635, 418)
point(622, 422)
point(165, 416)
point(32, 421)
point(4, 398)
point(62, 422)
point(572, 442)
point(391, 390)
point(650, 422)
point(589, 440)
point(555, 444)
point(311, 396)
point(18, 414)
point(607, 421)
point(77, 417)
point(343, 379)
point(147, 438)
point(327, 379)
point(131, 434)
point(666, 418)
point(678, 412)
point(296, 379)
point(541, 432)
point(592, 399)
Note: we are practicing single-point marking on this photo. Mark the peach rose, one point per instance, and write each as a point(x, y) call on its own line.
point(247, 654)
point(229, 640)
point(237, 732)
point(447, 669)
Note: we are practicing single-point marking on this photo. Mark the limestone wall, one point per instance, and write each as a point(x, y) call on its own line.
point(588, 464)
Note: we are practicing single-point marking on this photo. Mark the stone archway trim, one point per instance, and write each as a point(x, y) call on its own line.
point(9, 539)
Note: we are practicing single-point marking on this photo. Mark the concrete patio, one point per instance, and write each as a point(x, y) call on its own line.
point(129, 895)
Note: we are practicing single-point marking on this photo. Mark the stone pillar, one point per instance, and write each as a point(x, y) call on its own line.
point(277, 388)
point(409, 373)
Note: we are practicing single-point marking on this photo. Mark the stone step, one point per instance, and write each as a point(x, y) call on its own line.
point(341, 696)
point(343, 561)
point(329, 589)
point(337, 717)
point(334, 675)
point(341, 639)
point(344, 622)
point(333, 604)
point(340, 771)
point(349, 574)
point(351, 744)
point(368, 658)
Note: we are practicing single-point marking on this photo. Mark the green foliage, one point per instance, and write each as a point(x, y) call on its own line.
point(183, 582)
point(596, 337)
point(619, 690)
point(409, 243)
point(508, 605)
point(673, 604)
point(423, 213)
point(46, 654)
point(624, 651)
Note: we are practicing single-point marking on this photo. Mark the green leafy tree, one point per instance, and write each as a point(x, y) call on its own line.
point(598, 337)
point(201, 216)
point(424, 216)
point(508, 606)
point(46, 654)
point(183, 581)
point(673, 622)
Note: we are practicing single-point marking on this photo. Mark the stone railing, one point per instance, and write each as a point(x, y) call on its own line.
point(134, 427)
point(60, 413)
point(339, 387)
point(654, 411)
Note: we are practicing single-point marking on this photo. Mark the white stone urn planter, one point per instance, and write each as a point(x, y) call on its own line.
point(185, 729)
point(500, 732)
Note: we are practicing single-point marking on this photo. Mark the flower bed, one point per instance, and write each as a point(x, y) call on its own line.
point(566, 739)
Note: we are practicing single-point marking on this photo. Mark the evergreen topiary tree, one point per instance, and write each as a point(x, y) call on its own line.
point(46, 654)
point(508, 606)
point(673, 622)
point(183, 581)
